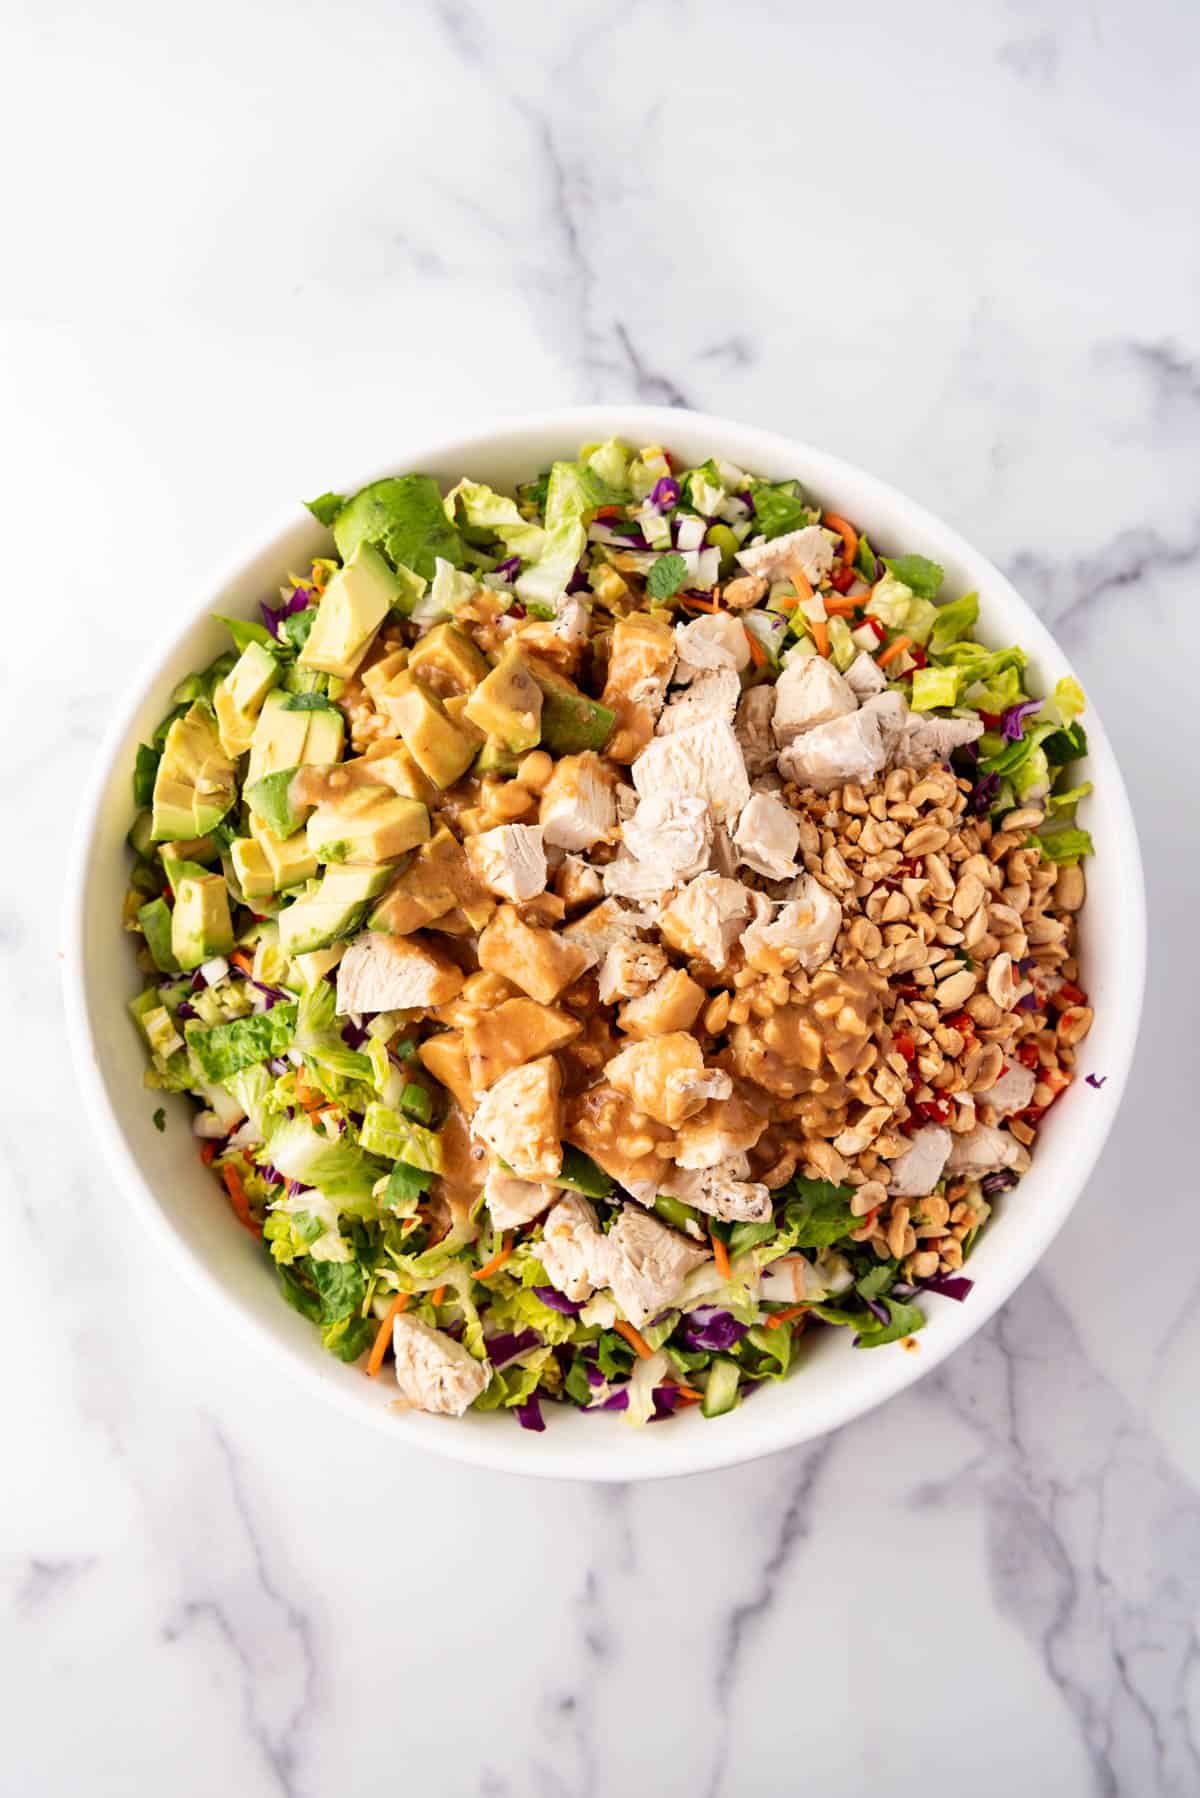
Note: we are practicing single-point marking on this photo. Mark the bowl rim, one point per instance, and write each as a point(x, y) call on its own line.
point(666, 1453)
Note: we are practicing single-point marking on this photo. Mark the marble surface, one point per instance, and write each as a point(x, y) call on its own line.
point(254, 248)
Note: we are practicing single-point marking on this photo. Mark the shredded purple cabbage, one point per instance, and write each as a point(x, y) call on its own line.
point(186, 1011)
point(708, 1328)
point(1012, 724)
point(1000, 1181)
point(353, 1035)
point(529, 1415)
point(273, 616)
point(558, 1301)
point(665, 493)
point(295, 1186)
point(877, 1310)
point(951, 1286)
point(1027, 1002)
point(578, 582)
point(983, 793)
point(595, 1377)
point(746, 497)
point(503, 1349)
point(1096, 1080)
point(272, 1174)
point(665, 1400)
point(616, 1401)
point(509, 568)
point(278, 1065)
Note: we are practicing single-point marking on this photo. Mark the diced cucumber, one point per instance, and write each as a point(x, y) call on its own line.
point(675, 1212)
point(721, 1388)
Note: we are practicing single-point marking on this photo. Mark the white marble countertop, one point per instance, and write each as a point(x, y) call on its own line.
point(258, 246)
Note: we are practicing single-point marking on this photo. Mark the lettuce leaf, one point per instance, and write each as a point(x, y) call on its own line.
point(225, 1049)
point(918, 573)
point(405, 518)
point(486, 510)
point(953, 621)
point(816, 1214)
point(779, 508)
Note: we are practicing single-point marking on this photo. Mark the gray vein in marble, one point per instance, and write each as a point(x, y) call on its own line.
point(1033, 60)
point(1064, 592)
point(46, 1579)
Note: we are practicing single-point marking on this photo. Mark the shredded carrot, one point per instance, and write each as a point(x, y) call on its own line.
point(241, 960)
point(693, 604)
point(758, 654)
point(777, 1319)
point(238, 1199)
point(721, 1257)
point(497, 1261)
point(379, 1346)
point(846, 532)
point(608, 512)
point(789, 602)
point(208, 1152)
point(801, 583)
point(436, 1296)
point(634, 1338)
point(893, 650)
point(843, 608)
point(688, 1394)
point(820, 632)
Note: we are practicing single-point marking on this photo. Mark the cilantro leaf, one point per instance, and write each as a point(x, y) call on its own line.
point(818, 1212)
point(308, 702)
point(667, 576)
point(326, 507)
point(906, 1321)
point(779, 509)
point(160, 1119)
point(405, 1186)
point(918, 573)
point(297, 626)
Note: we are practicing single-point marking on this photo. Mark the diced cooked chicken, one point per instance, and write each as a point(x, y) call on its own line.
point(541, 962)
point(723, 857)
point(641, 662)
point(725, 1127)
point(752, 728)
point(703, 760)
point(627, 1144)
point(520, 1119)
point(890, 713)
point(666, 842)
point(809, 692)
point(722, 1190)
point(810, 549)
point(1012, 1092)
point(982, 1150)
point(926, 740)
point(445, 1055)
point(573, 1250)
point(434, 1372)
point(576, 882)
point(744, 592)
point(849, 748)
point(394, 973)
point(510, 860)
point(512, 1202)
point(807, 924)
point(718, 641)
point(713, 694)
point(665, 1077)
point(674, 1002)
point(630, 969)
point(578, 808)
point(507, 1035)
point(768, 836)
point(597, 930)
point(705, 919)
point(865, 677)
point(647, 1263)
point(915, 1173)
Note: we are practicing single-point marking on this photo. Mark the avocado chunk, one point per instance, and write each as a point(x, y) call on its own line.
point(571, 722)
point(238, 699)
point(289, 858)
point(507, 705)
point(494, 758)
point(278, 740)
point(353, 606)
point(448, 661)
point(155, 920)
point(196, 782)
point(394, 766)
point(367, 824)
point(200, 923)
point(377, 676)
point(270, 801)
point(141, 835)
point(252, 868)
point(334, 910)
point(438, 879)
point(440, 749)
point(325, 736)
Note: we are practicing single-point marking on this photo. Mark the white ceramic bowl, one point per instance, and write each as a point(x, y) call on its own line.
point(173, 1193)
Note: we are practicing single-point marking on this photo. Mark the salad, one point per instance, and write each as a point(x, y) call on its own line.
point(609, 933)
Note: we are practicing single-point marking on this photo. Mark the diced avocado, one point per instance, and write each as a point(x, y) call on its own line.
point(314, 966)
point(440, 749)
point(237, 700)
point(270, 801)
point(436, 881)
point(278, 738)
point(507, 704)
point(367, 824)
point(178, 869)
point(252, 868)
point(353, 606)
point(141, 835)
point(289, 858)
point(196, 783)
point(195, 849)
point(377, 676)
point(494, 758)
point(144, 769)
point(447, 655)
point(325, 736)
point(200, 923)
point(571, 722)
point(155, 920)
point(396, 768)
point(334, 910)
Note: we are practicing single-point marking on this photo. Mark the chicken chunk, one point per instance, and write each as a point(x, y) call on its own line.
point(767, 837)
point(578, 807)
point(445, 1056)
point(573, 1250)
point(520, 1119)
point(722, 1190)
point(703, 760)
point(915, 1173)
point(627, 1143)
point(809, 549)
point(848, 748)
point(630, 969)
point(982, 1150)
point(718, 641)
point(864, 677)
point(926, 740)
point(1013, 1091)
point(512, 1202)
point(641, 662)
point(510, 860)
point(809, 692)
point(394, 973)
point(706, 918)
point(674, 1002)
point(647, 1263)
point(506, 1036)
point(541, 962)
point(752, 728)
point(667, 841)
point(597, 930)
point(576, 882)
point(434, 1372)
point(803, 929)
point(713, 694)
point(665, 1077)
point(726, 1127)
